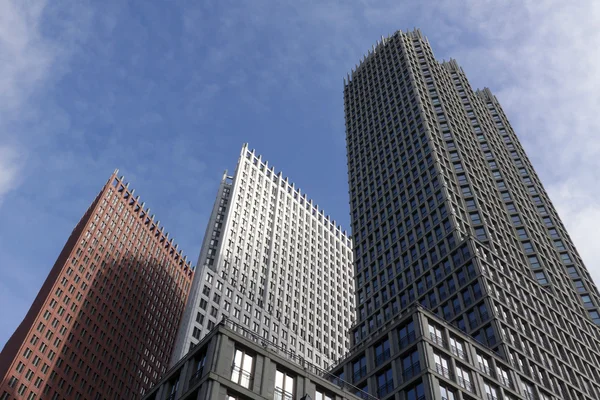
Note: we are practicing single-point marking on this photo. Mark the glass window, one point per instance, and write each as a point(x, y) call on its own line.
point(441, 365)
point(382, 352)
point(242, 368)
point(435, 334)
point(464, 378)
point(457, 348)
point(446, 393)
point(385, 383)
point(323, 395)
point(359, 368)
point(284, 386)
point(483, 363)
point(415, 393)
point(406, 334)
point(411, 365)
point(490, 391)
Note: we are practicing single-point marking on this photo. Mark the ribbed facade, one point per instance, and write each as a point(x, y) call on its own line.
point(272, 261)
point(447, 211)
point(104, 322)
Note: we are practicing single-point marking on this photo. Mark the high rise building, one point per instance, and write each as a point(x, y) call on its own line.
point(104, 322)
point(272, 261)
point(448, 212)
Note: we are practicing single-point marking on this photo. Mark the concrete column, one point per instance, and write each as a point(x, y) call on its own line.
point(268, 378)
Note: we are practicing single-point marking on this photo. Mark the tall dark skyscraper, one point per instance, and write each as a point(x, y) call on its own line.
point(104, 322)
point(448, 212)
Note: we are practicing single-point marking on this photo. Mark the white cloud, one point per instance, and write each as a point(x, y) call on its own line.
point(32, 55)
point(9, 168)
point(26, 56)
point(25, 62)
point(540, 57)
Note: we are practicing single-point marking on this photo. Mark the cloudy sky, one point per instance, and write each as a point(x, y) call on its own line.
point(167, 91)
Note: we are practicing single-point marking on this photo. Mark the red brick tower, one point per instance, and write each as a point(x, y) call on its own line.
point(104, 322)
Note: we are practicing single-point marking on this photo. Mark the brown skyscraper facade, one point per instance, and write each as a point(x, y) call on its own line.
point(104, 322)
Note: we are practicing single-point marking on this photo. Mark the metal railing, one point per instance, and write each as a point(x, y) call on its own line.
point(445, 372)
point(458, 352)
point(281, 394)
point(243, 378)
point(437, 339)
point(385, 355)
point(466, 384)
point(411, 371)
point(407, 339)
point(385, 389)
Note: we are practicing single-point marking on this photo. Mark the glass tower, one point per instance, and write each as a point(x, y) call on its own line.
point(448, 212)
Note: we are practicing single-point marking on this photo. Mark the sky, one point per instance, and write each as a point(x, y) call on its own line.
point(168, 91)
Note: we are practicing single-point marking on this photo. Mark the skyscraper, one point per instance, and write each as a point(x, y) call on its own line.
point(272, 261)
point(448, 212)
point(104, 322)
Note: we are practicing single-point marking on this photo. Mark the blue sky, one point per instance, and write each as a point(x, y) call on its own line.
point(167, 91)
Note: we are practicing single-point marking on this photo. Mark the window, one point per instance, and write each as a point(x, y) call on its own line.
point(320, 394)
point(587, 300)
point(435, 334)
point(241, 372)
point(541, 278)
point(464, 378)
point(446, 393)
point(415, 393)
point(411, 365)
point(457, 348)
point(284, 386)
point(503, 376)
point(385, 383)
point(359, 368)
point(441, 365)
point(490, 391)
point(200, 361)
point(382, 352)
point(534, 262)
point(483, 364)
point(406, 334)
point(480, 233)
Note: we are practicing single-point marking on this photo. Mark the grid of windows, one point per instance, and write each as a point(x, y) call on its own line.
point(108, 323)
point(447, 211)
point(280, 266)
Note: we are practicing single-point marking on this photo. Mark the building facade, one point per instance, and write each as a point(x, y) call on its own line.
point(103, 325)
point(232, 362)
point(447, 211)
point(272, 261)
point(420, 356)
